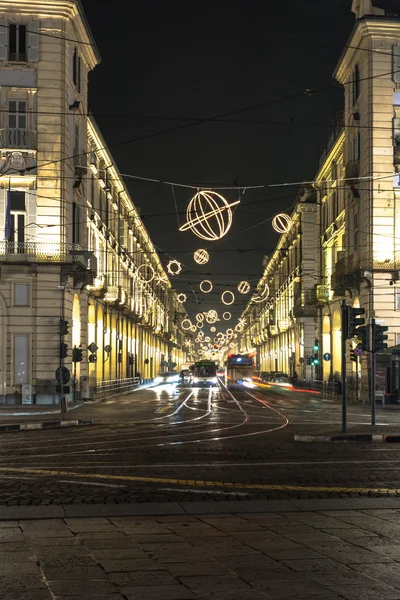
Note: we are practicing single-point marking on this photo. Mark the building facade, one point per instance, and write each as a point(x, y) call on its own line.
point(356, 238)
point(78, 269)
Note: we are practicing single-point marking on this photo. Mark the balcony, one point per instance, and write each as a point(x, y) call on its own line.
point(32, 252)
point(80, 163)
point(352, 171)
point(18, 139)
point(306, 305)
point(323, 293)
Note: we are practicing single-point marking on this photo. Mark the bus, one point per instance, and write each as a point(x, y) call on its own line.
point(240, 367)
point(205, 373)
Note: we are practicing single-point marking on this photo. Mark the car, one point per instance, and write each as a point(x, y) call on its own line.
point(167, 377)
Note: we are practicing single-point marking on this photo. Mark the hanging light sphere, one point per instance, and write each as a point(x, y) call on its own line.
point(212, 316)
point(207, 339)
point(282, 223)
point(244, 287)
point(186, 324)
point(200, 317)
point(226, 316)
point(206, 286)
point(228, 297)
point(213, 329)
point(208, 215)
point(174, 267)
point(229, 332)
point(193, 328)
point(201, 256)
point(263, 296)
point(145, 273)
point(181, 298)
point(199, 324)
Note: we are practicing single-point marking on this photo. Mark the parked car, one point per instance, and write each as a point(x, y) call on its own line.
point(167, 377)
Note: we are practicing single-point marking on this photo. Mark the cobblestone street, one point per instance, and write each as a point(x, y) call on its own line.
point(326, 555)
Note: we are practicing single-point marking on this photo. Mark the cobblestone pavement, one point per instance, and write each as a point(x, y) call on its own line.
point(172, 444)
point(325, 555)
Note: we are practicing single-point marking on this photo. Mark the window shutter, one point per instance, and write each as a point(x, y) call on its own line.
point(79, 75)
point(3, 199)
point(33, 41)
point(396, 64)
point(3, 39)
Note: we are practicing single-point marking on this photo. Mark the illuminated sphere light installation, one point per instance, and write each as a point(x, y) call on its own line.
point(207, 339)
point(206, 286)
point(229, 332)
point(193, 328)
point(186, 324)
point(200, 317)
point(213, 329)
point(228, 294)
point(181, 298)
point(263, 296)
point(212, 316)
point(146, 273)
point(227, 316)
point(174, 267)
point(282, 223)
point(209, 216)
point(244, 287)
point(199, 324)
point(201, 256)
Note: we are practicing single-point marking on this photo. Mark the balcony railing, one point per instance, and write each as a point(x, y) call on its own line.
point(18, 56)
point(21, 139)
point(33, 252)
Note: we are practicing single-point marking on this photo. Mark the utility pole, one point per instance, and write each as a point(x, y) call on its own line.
point(344, 312)
point(373, 375)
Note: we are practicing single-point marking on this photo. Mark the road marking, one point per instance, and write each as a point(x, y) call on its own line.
point(202, 483)
point(213, 492)
point(113, 485)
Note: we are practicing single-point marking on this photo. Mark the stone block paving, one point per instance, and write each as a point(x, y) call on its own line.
point(324, 555)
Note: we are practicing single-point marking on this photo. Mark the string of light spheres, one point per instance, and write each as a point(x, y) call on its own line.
point(282, 223)
point(201, 256)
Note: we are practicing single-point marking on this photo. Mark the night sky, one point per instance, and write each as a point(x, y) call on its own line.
point(180, 60)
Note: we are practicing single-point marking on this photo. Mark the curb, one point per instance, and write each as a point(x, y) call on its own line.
point(355, 437)
point(45, 425)
point(231, 507)
point(38, 413)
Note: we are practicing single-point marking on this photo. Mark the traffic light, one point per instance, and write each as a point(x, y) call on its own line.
point(315, 360)
point(354, 320)
point(379, 338)
point(361, 334)
point(77, 355)
point(316, 345)
point(93, 358)
point(309, 360)
point(353, 357)
point(64, 327)
point(63, 350)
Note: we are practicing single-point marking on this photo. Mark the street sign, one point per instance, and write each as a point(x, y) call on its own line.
point(63, 375)
point(327, 356)
point(301, 360)
point(93, 348)
point(359, 351)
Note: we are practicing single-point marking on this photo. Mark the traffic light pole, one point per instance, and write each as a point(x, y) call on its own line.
point(373, 374)
point(344, 377)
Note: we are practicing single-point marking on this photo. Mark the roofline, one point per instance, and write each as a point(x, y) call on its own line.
point(353, 31)
point(89, 30)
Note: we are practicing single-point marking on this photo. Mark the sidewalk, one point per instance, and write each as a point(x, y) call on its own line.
point(321, 553)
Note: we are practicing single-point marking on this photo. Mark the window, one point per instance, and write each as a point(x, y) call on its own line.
point(355, 230)
point(21, 359)
point(17, 43)
point(21, 294)
point(76, 69)
point(17, 201)
point(355, 85)
point(397, 293)
point(17, 222)
point(17, 118)
point(76, 223)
